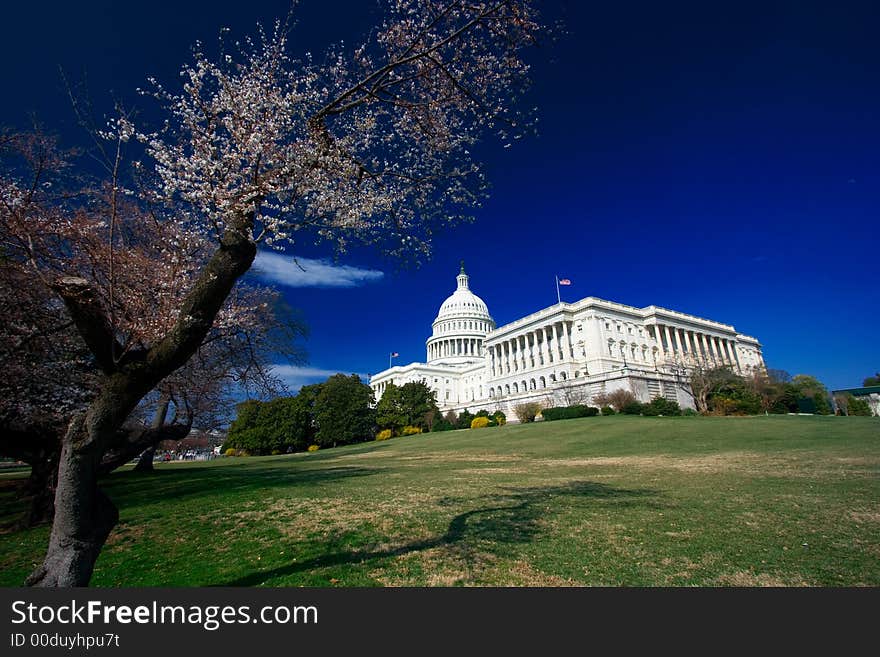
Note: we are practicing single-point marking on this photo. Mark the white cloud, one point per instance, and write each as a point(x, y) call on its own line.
point(284, 270)
point(297, 377)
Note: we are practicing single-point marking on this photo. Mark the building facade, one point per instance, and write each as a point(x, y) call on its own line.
point(567, 353)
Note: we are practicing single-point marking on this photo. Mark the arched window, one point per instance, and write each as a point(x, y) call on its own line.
point(523, 386)
point(506, 389)
point(543, 382)
point(552, 378)
point(515, 387)
point(563, 376)
point(532, 385)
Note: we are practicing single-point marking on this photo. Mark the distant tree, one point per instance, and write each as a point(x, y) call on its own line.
point(283, 424)
point(389, 411)
point(417, 400)
point(708, 381)
point(872, 381)
point(344, 411)
point(778, 376)
point(809, 388)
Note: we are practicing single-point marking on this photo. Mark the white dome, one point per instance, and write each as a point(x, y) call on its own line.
point(463, 304)
point(461, 324)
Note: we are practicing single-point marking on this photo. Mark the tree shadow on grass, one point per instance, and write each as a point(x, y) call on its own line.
point(130, 489)
point(512, 516)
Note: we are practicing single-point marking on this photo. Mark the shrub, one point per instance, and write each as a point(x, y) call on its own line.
point(313, 448)
point(606, 410)
point(385, 434)
point(617, 399)
point(231, 451)
point(568, 412)
point(464, 420)
point(410, 430)
point(690, 412)
point(480, 422)
point(276, 452)
point(661, 406)
point(527, 411)
point(500, 418)
point(632, 408)
point(442, 425)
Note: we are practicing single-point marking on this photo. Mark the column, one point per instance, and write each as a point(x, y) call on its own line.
point(720, 351)
point(566, 341)
point(554, 346)
point(705, 346)
point(735, 357)
point(726, 344)
point(545, 350)
point(678, 341)
point(668, 338)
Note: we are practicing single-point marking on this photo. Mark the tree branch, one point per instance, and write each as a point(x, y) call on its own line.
point(82, 303)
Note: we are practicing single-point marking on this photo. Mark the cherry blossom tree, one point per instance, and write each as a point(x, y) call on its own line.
point(49, 374)
point(371, 145)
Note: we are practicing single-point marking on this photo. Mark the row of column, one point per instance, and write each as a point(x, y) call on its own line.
point(544, 345)
point(696, 346)
point(455, 347)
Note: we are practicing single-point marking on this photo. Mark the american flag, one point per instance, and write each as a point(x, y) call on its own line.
point(394, 354)
point(564, 281)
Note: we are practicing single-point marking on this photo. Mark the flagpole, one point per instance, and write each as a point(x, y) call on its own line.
point(558, 298)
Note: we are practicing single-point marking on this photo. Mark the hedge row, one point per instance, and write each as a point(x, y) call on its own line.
point(569, 412)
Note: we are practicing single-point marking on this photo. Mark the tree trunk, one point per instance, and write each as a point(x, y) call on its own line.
point(84, 515)
point(145, 462)
point(40, 488)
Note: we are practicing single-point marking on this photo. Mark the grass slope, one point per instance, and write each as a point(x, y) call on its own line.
point(594, 501)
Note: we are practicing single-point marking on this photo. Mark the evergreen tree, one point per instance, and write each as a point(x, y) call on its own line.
point(344, 411)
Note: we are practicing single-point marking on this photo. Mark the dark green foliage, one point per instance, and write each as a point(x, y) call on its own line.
point(632, 408)
point(464, 420)
point(284, 424)
point(690, 412)
point(442, 424)
point(418, 400)
point(606, 410)
point(809, 387)
point(389, 410)
point(499, 417)
point(343, 411)
point(661, 406)
point(872, 381)
point(412, 404)
point(569, 412)
point(857, 406)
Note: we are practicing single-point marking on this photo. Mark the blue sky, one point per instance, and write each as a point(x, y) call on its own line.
point(717, 160)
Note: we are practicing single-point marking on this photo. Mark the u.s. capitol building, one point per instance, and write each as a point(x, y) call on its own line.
point(566, 353)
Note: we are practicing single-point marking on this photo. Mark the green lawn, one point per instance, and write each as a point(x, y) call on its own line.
point(785, 500)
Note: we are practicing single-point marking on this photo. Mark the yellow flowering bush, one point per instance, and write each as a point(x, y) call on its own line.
point(313, 448)
point(385, 434)
point(410, 430)
point(479, 422)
